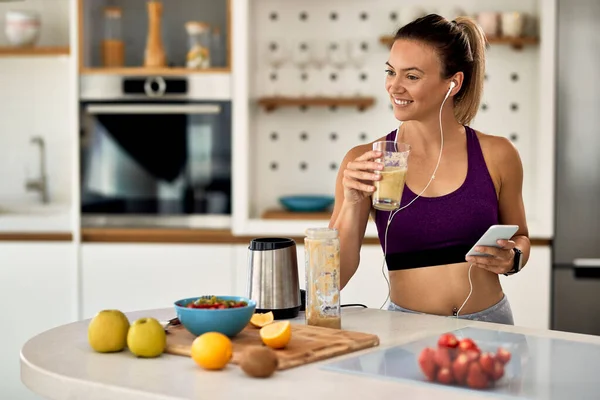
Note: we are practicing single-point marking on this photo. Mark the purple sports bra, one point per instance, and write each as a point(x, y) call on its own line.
point(441, 230)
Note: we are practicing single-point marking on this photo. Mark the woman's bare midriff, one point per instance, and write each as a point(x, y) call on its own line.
point(442, 289)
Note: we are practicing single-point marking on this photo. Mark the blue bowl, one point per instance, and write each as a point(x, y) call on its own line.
point(228, 321)
point(306, 203)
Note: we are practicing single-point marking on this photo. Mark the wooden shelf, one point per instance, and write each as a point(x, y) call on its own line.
point(271, 103)
point(42, 51)
point(290, 215)
point(131, 71)
point(515, 42)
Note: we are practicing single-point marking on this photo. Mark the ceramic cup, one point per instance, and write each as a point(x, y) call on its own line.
point(22, 28)
point(512, 24)
point(489, 22)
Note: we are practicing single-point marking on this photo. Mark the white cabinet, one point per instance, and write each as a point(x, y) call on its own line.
point(529, 290)
point(37, 281)
point(368, 286)
point(132, 277)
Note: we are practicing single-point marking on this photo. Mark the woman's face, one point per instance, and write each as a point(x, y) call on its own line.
point(413, 80)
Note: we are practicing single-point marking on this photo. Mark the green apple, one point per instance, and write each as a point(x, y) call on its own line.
point(107, 331)
point(147, 338)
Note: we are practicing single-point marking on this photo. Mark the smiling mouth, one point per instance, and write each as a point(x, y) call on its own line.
point(402, 102)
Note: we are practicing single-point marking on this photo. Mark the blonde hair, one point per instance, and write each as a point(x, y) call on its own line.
point(460, 44)
point(466, 102)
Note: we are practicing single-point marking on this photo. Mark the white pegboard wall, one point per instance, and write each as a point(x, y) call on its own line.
point(298, 151)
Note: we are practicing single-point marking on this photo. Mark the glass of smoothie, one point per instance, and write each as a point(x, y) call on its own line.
point(388, 190)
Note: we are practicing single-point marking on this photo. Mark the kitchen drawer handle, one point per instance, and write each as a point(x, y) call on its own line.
point(153, 109)
point(586, 262)
point(586, 268)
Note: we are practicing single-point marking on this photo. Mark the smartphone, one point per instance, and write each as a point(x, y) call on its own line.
point(491, 237)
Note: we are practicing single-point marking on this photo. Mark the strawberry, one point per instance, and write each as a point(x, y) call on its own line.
point(503, 355)
point(467, 344)
point(448, 340)
point(444, 376)
point(442, 357)
point(476, 379)
point(487, 360)
point(473, 355)
point(498, 371)
point(427, 364)
point(460, 367)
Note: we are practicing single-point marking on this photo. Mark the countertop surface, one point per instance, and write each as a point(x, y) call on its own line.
point(59, 364)
point(20, 217)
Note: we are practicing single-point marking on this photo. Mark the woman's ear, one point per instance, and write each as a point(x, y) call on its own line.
point(458, 80)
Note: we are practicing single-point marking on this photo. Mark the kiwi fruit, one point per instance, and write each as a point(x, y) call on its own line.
point(259, 361)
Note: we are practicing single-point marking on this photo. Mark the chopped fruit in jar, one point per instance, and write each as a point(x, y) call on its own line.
point(448, 340)
point(276, 335)
point(262, 319)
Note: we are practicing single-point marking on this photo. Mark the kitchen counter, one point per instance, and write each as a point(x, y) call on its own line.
point(215, 236)
point(59, 364)
point(22, 221)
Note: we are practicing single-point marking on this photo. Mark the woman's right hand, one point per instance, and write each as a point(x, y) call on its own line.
point(359, 176)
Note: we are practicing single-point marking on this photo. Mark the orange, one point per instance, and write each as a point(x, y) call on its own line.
point(260, 320)
point(277, 334)
point(212, 350)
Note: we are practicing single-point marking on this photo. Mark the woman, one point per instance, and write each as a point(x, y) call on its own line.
point(434, 79)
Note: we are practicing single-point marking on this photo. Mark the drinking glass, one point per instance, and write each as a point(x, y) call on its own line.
point(389, 189)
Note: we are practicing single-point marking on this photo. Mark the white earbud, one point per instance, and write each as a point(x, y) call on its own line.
point(452, 86)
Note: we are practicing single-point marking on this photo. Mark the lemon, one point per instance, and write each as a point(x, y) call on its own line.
point(277, 334)
point(260, 320)
point(107, 331)
point(212, 350)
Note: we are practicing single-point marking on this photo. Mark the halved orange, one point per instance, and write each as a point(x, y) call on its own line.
point(259, 320)
point(276, 335)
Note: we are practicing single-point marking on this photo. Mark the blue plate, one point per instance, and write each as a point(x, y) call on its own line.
point(228, 321)
point(306, 203)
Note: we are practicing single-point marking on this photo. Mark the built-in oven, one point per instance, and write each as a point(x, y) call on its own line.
point(155, 151)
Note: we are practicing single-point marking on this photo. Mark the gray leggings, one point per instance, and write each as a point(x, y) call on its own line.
point(500, 313)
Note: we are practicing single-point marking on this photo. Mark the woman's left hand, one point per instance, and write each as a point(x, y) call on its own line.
point(501, 260)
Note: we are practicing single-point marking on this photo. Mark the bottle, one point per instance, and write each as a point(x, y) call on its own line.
point(198, 56)
point(113, 48)
point(322, 258)
point(155, 55)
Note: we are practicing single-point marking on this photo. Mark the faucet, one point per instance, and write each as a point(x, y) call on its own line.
point(41, 183)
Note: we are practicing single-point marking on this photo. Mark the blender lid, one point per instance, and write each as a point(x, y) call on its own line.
point(263, 244)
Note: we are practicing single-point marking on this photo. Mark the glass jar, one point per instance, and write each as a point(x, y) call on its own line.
point(113, 47)
point(322, 257)
point(198, 56)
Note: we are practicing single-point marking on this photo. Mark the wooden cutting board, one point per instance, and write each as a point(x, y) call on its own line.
point(308, 344)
